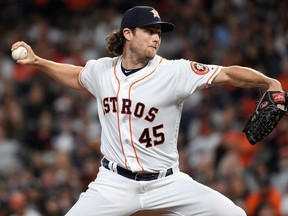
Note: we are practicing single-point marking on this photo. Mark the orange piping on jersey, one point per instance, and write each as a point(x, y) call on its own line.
point(130, 120)
point(207, 83)
point(79, 78)
point(117, 111)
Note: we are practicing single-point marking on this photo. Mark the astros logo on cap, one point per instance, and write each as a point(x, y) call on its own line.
point(155, 13)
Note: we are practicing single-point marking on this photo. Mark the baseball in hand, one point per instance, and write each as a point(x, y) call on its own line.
point(19, 53)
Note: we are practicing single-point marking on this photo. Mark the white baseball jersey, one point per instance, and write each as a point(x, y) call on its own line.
point(140, 113)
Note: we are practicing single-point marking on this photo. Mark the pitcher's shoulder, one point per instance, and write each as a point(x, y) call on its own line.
point(103, 62)
point(174, 62)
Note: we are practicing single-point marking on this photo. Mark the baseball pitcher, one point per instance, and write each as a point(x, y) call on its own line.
point(140, 97)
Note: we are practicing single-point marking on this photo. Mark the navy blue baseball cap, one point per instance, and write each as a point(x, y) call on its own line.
point(144, 16)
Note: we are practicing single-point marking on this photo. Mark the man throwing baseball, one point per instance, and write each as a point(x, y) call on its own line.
point(140, 96)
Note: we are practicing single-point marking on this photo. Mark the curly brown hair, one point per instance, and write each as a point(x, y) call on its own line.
point(116, 41)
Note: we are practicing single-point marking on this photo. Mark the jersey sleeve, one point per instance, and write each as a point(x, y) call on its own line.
point(87, 75)
point(193, 76)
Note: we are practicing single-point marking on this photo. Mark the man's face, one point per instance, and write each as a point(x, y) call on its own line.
point(146, 41)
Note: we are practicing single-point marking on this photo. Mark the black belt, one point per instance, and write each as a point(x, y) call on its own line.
point(135, 176)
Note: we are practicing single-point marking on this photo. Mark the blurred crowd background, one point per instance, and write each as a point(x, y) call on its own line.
point(50, 135)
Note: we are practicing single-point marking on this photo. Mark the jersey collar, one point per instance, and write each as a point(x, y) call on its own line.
point(142, 72)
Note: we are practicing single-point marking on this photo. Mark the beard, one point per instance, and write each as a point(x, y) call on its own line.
point(150, 52)
point(143, 54)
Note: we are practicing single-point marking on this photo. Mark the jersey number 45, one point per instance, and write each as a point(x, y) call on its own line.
point(152, 137)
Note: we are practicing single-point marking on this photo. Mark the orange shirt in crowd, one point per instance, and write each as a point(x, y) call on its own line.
point(255, 199)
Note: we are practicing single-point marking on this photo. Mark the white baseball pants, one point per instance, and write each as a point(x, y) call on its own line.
point(114, 195)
